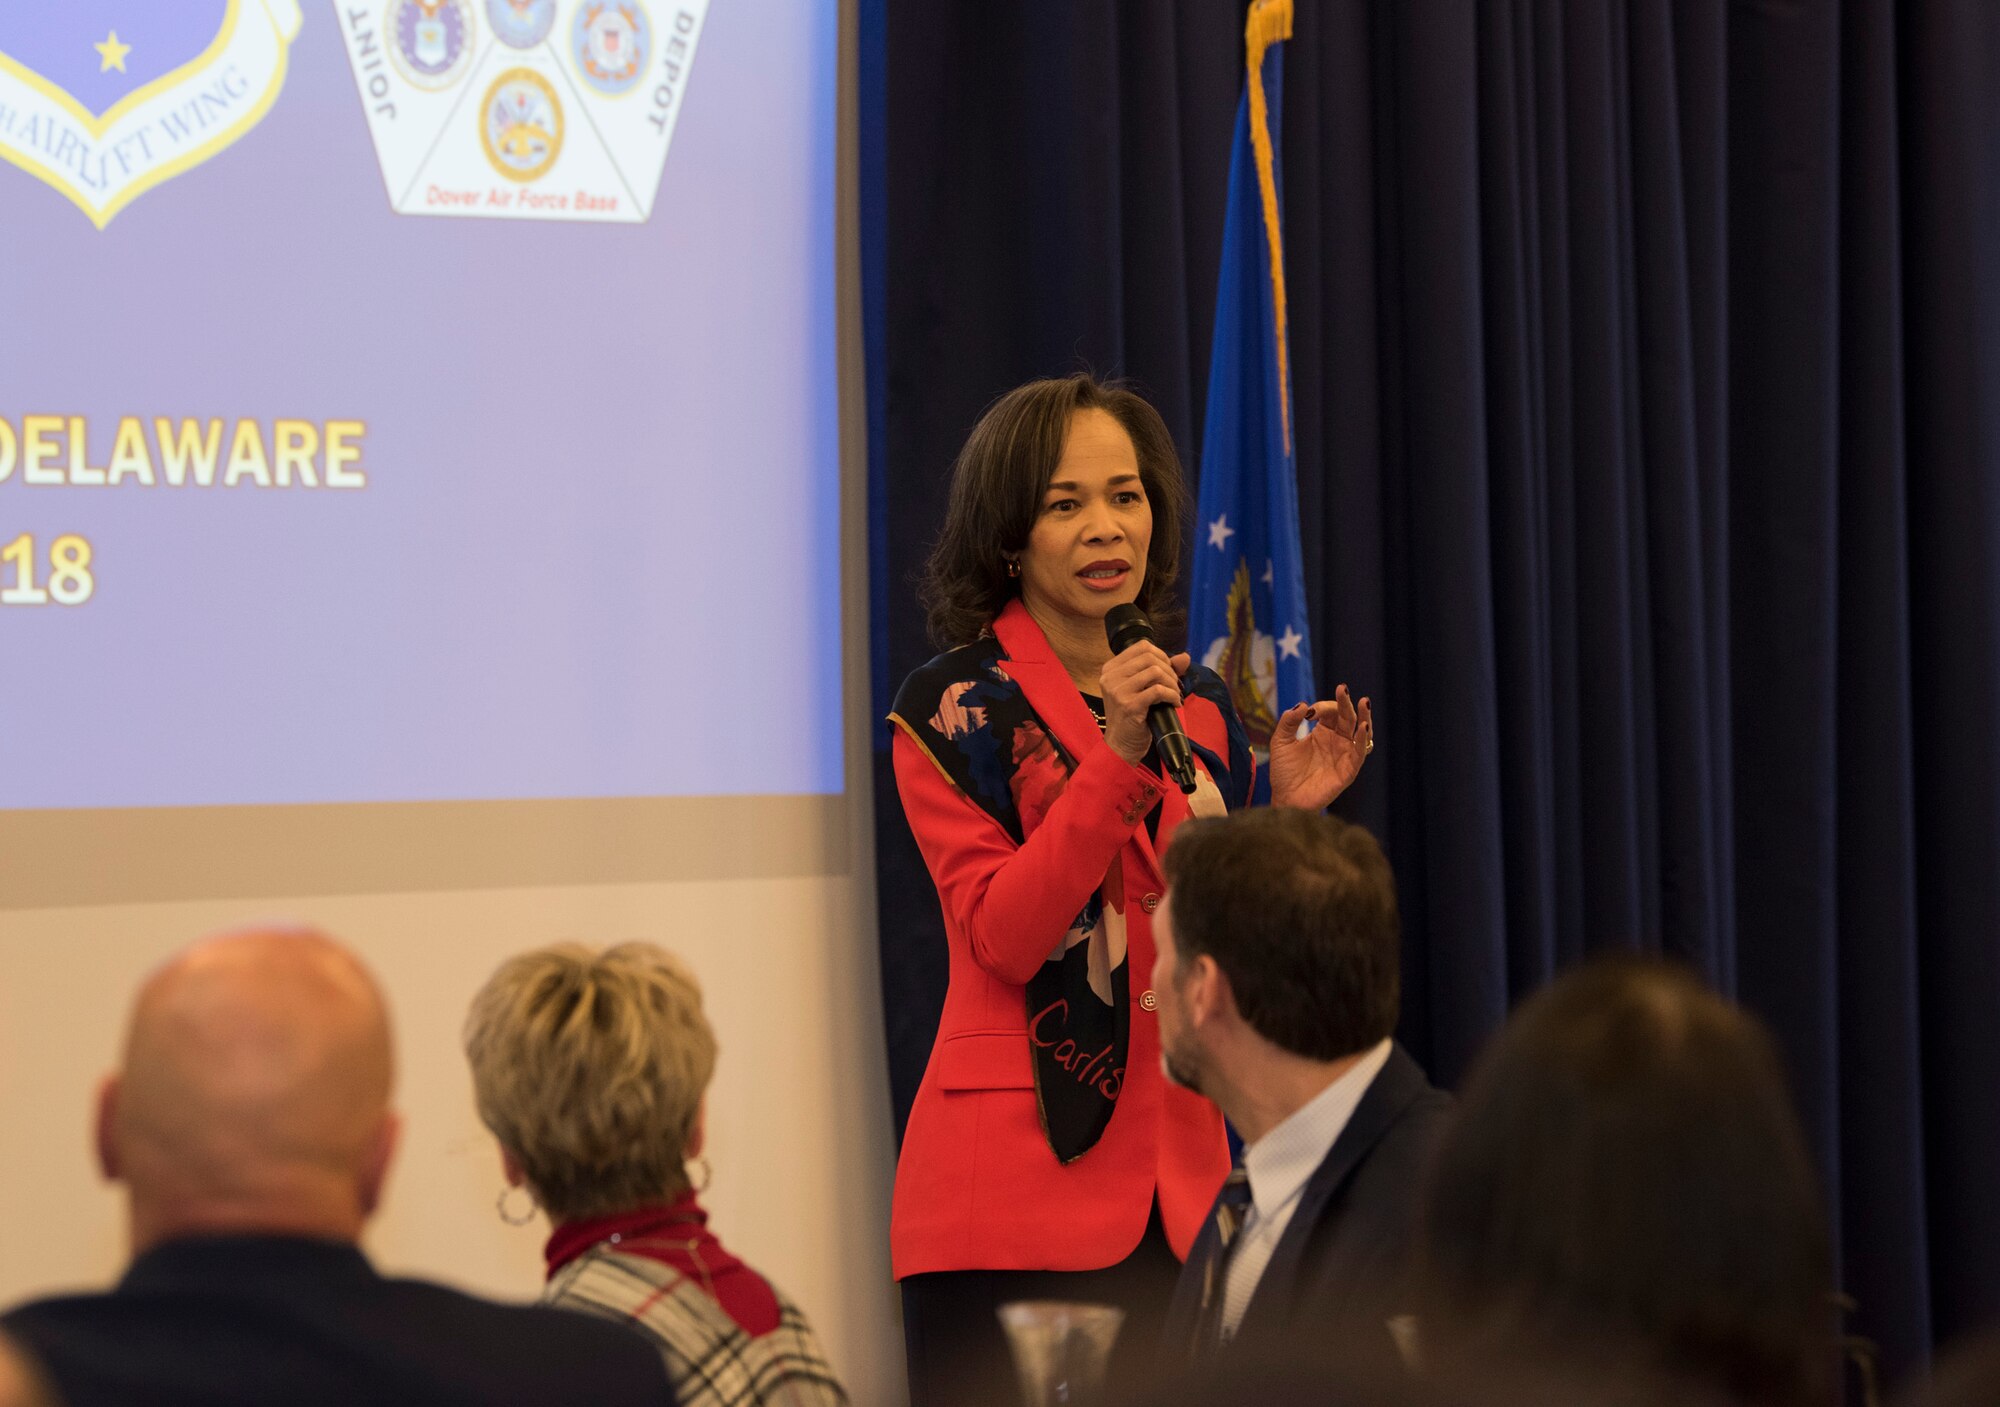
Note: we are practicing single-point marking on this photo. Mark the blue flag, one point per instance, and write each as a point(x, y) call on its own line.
point(1248, 621)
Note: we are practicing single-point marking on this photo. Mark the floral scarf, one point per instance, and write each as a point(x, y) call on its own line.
point(971, 716)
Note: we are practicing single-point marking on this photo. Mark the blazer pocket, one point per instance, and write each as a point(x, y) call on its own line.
point(985, 1060)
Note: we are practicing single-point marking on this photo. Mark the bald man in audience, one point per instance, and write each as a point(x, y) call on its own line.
point(250, 1125)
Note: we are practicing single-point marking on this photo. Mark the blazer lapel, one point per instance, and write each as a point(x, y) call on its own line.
point(1399, 1083)
point(1050, 692)
point(1184, 1314)
point(1056, 700)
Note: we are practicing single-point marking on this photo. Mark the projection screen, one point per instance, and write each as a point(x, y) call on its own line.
point(418, 444)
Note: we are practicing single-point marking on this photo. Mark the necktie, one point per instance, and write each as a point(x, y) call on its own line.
point(1231, 1210)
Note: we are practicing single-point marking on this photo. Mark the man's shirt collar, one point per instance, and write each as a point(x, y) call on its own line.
point(1282, 1160)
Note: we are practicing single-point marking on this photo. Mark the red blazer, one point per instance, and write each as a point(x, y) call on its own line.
point(977, 1187)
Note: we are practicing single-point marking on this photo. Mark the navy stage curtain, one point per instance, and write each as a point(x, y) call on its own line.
point(1647, 365)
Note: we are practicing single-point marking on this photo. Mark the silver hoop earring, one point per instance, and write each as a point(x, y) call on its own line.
point(500, 1206)
point(1013, 569)
point(707, 1176)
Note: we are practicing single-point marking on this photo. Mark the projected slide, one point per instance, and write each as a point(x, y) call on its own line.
point(307, 496)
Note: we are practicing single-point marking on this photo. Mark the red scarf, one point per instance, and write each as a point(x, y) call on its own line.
point(675, 1235)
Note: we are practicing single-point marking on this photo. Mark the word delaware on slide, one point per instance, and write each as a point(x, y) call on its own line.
point(522, 109)
point(56, 452)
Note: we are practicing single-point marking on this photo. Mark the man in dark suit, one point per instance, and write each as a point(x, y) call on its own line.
point(251, 1127)
point(1278, 980)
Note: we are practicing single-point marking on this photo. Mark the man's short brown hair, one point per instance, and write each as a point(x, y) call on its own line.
point(1298, 909)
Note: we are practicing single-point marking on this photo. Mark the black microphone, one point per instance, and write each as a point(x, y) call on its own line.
point(1125, 626)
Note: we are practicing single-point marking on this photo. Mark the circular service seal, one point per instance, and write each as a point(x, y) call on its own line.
point(521, 24)
point(611, 41)
point(521, 125)
point(430, 40)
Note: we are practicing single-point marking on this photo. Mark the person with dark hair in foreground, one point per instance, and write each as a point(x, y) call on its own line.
point(1966, 1375)
point(1278, 972)
point(1046, 1157)
point(251, 1127)
point(1627, 1165)
point(1336, 1369)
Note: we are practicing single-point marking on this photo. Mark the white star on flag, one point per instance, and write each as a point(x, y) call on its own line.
point(1219, 531)
point(1270, 571)
point(1288, 644)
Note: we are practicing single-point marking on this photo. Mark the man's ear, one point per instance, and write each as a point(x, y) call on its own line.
point(106, 1133)
point(1208, 993)
point(381, 1152)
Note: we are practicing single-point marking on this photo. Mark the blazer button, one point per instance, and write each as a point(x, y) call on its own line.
point(1148, 1000)
point(1150, 903)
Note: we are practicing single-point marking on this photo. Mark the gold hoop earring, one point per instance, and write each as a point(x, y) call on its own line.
point(500, 1206)
point(707, 1176)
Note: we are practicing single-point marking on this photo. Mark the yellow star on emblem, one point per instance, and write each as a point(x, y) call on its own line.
point(112, 52)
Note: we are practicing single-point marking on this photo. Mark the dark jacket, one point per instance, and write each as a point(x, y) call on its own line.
point(1345, 1251)
point(290, 1322)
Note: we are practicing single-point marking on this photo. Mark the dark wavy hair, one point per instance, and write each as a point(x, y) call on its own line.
point(997, 486)
point(1627, 1165)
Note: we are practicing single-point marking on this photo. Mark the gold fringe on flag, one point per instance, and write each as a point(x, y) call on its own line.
point(1270, 22)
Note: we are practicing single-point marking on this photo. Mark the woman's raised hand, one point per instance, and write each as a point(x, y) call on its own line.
point(1311, 771)
point(1134, 680)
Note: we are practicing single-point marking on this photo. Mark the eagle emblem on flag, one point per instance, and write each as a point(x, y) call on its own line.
point(1246, 658)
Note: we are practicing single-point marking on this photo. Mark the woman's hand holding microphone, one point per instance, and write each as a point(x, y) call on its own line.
point(1316, 750)
point(1133, 681)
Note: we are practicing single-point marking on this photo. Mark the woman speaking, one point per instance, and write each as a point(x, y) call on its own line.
point(1047, 1156)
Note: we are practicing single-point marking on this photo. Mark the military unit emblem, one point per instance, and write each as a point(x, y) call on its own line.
point(612, 44)
point(524, 125)
point(104, 101)
point(431, 40)
point(523, 109)
point(521, 24)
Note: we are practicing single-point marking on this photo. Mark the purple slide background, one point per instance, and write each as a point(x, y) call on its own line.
point(58, 41)
point(599, 550)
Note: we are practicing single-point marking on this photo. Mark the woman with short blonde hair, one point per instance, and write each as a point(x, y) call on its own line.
point(591, 1069)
